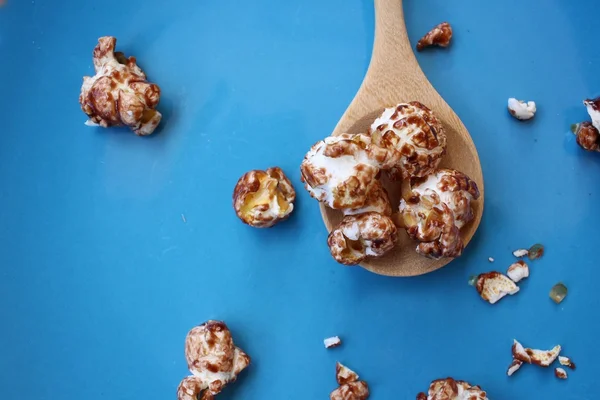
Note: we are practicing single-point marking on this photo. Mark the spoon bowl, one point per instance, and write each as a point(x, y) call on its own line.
point(393, 77)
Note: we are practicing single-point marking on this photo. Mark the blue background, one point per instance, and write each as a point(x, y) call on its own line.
point(100, 279)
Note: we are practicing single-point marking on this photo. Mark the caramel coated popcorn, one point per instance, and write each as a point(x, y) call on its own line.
point(213, 360)
point(413, 137)
point(119, 93)
point(450, 389)
point(437, 207)
point(440, 35)
point(263, 198)
point(350, 387)
point(587, 136)
point(360, 236)
point(377, 201)
point(340, 170)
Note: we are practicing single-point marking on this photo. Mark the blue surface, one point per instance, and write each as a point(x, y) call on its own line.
point(100, 279)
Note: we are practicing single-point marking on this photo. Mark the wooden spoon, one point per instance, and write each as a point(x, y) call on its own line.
point(393, 77)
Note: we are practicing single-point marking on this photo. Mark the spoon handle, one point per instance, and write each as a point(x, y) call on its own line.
point(394, 74)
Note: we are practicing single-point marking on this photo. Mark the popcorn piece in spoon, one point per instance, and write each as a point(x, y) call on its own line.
point(435, 210)
point(520, 109)
point(377, 201)
point(492, 286)
point(119, 93)
point(213, 360)
point(450, 389)
point(360, 236)
point(518, 271)
point(413, 137)
point(341, 170)
point(263, 198)
point(350, 387)
point(440, 35)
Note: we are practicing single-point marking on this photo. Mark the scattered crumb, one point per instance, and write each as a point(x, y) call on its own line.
point(560, 373)
point(440, 35)
point(520, 253)
point(492, 286)
point(566, 361)
point(514, 367)
point(518, 271)
point(334, 341)
point(350, 387)
point(543, 358)
point(183, 218)
point(490, 259)
point(520, 109)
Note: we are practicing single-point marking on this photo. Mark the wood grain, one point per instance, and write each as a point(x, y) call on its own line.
point(393, 77)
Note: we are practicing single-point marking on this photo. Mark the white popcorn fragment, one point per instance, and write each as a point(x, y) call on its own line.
point(520, 109)
point(492, 286)
point(520, 253)
point(490, 259)
point(560, 373)
point(566, 361)
point(334, 341)
point(514, 367)
point(593, 109)
point(518, 271)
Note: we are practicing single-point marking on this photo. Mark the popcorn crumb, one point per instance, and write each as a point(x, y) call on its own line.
point(566, 361)
point(514, 367)
point(543, 358)
point(334, 341)
point(440, 35)
point(491, 259)
point(520, 109)
point(520, 253)
point(450, 389)
point(492, 286)
point(518, 271)
point(350, 387)
point(560, 373)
